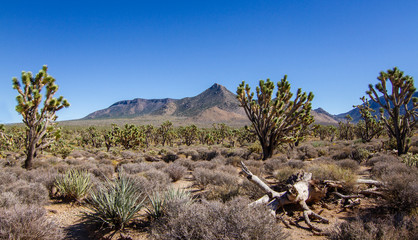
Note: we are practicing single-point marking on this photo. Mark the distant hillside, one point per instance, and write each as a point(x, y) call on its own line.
point(216, 104)
point(355, 113)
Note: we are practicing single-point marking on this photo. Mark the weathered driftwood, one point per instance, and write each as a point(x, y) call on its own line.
point(301, 191)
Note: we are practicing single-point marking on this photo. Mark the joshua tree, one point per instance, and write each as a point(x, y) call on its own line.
point(401, 119)
point(346, 129)
point(369, 126)
point(278, 120)
point(39, 120)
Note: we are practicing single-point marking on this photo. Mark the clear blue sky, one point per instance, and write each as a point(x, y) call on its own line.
point(101, 52)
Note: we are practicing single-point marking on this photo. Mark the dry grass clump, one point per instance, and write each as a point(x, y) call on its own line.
point(28, 222)
point(175, 171)
point(285, 170)
point(376, 229)
point(327, 171)
point(215, 220)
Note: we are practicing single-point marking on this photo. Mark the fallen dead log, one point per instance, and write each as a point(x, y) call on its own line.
point(301, 191)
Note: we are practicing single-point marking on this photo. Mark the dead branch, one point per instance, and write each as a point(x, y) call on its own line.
point(301, 191)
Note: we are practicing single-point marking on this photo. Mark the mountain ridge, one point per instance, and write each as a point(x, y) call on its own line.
point(215, 104)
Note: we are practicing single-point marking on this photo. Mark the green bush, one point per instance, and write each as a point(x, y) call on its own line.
point(74, 185)
point(114, 204)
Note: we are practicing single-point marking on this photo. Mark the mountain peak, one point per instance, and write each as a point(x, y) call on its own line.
point(217, 87)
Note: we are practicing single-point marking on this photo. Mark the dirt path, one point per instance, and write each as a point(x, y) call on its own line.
point(68, 217)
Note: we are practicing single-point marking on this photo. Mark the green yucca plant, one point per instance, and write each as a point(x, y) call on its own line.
point(115, 204)
point(158, 202)
point(74, 185)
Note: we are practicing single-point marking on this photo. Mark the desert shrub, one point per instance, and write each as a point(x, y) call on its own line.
point(158, 165)
point(74, 185)
point(207, 154)
point(7, 178)
point(129, 155)
point(159, 202)
point(185, 162)
point(8, 199)
point(317, 144)
point(114, 204)
point(272, 164)
point(342, 153)
point(103, 171)
point(283, 173)
point(205, 164)
point(24, 192)
point(204, 177)
point(381, 158)
point(402, 187)
point(297, 164)
point(228, 169)
point(307, 152)
point(224, 192)
point(214, 220)
point(237, 152)
point(175, 171)
point(170, 156)
point(375, 229)
point(152, 180)
point(219, 160)
point(134, 168)
point(251, 190)
point(325, 171)
point(31, 193)
point(349, 164)
point(253, 163)
point(387, 167)
point(192, 153)
point(360, 154)
point(28, 222)
point(234, 161)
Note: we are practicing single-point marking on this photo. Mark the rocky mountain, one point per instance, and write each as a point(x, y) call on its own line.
point(216, 99)
point(216, 104)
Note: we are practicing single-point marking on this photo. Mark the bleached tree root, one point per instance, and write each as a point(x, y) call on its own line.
point(301, 191)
